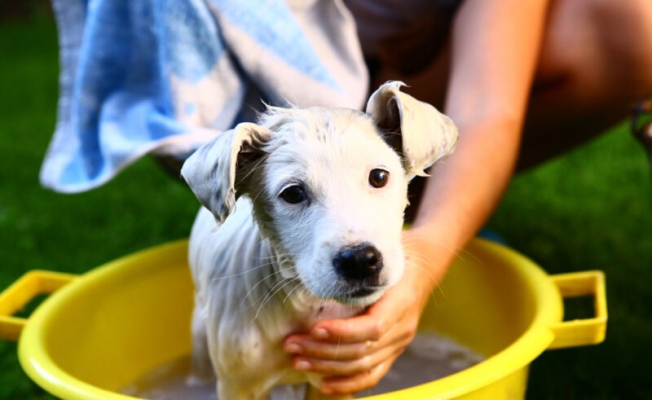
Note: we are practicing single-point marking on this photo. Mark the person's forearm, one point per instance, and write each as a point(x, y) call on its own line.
point(490, 80)
point(461, 193)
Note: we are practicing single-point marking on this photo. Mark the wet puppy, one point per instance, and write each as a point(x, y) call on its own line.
point(301, 221)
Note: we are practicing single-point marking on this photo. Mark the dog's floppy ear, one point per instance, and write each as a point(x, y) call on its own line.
point(211, 170)
point(416, 130)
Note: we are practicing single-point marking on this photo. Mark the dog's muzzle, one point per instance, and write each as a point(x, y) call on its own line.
point(360, 266)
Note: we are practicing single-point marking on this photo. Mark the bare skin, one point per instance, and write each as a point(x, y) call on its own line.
point(524, 81)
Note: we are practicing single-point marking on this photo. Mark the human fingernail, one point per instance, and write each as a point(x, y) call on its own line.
point(302, 365)
point(320, 333)
point(292, 348)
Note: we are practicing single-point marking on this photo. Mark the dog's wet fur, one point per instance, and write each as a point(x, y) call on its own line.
point(301, 221)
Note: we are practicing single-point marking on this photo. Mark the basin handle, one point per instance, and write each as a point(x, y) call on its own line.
point(21, 292)
point(581, 332)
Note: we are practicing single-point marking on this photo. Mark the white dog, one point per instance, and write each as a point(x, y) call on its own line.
point(315, 232)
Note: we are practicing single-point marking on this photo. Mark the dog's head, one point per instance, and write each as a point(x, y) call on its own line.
point(329, 186)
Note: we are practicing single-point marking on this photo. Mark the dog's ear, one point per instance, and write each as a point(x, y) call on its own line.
point(419, 133)
point(216, 170)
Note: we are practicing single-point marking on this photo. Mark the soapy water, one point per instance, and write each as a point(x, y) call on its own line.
point(429, 357)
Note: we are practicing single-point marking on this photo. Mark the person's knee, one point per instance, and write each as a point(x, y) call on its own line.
point(596, 63)
point(599, 48)
point(625, 35)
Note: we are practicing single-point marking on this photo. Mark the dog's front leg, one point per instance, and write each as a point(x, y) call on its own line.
point(227, 390)
point(314, 394)
point(201, 369)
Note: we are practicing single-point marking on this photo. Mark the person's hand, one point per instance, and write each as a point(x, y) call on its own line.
point(354, 354)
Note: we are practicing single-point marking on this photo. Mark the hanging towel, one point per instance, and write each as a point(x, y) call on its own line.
point(165, 76)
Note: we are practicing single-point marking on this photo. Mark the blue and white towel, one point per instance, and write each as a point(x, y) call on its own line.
point(165, 76)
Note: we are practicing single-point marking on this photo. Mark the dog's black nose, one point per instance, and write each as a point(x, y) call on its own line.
point(362, 262)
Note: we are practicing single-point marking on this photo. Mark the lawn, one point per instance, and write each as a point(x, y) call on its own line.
point(591, 209)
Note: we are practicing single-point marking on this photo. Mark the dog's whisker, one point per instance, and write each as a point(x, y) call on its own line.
point(422, 260)
point(430, 275)
point(299, 286)
point(273, 292)
point(269, 263)
point(254, 287)
point(258, 194)
point(273, 257)
point(458, 252)
point(268, 295)
point(264, 279)
point(259, 164)
point(337, 349)
point(438, 282)
point(239, 274)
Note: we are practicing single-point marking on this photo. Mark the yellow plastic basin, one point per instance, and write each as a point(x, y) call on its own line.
point(102, 330)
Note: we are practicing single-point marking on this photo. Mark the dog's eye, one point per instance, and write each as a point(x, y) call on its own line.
point(378, 177)
point(293, 194)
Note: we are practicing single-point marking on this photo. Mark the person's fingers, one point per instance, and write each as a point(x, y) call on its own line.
point(344, 385)
point(306, 346)
point(350, 366)
point(358, 329)
point(371, 325)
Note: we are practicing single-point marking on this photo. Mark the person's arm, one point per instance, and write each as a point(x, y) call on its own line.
point(494, 49)
point(495, 44)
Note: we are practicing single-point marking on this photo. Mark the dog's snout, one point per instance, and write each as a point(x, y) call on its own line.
point(358, 262)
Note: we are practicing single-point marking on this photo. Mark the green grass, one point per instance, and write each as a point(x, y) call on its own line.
point(40, 229)
point(591, 209)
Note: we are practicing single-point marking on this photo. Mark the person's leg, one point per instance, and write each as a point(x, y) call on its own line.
point(596, 63)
